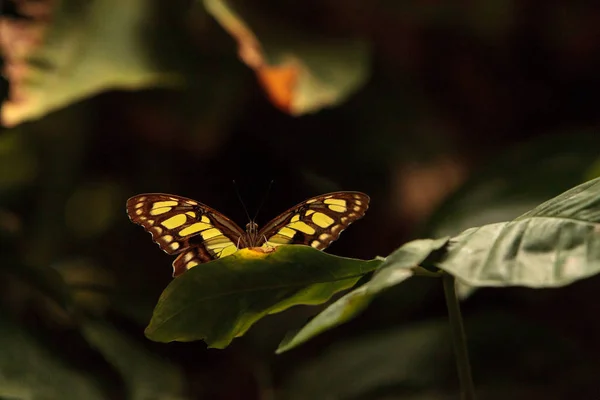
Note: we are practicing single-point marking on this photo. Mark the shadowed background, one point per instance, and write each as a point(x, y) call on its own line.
point(448, 114)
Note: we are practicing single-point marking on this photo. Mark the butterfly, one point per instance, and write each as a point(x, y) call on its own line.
point(198, 233)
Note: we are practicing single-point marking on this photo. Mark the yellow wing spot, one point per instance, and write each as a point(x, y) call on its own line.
point(351, 215)
point(174, 222)
point(150, 222)
point(139, 205)
point(188, 256)
point(167, 238)
point(337, 229)
point(142, 218)
point(161, 210)
point(344, 220)
point(323, 220)
point(160, 204)
point(295, 218)
point(138, 211)
point(174, 246)
point(324, 236)
point(336, 208)
point(328, 197)
point(227, 251)
point(156, 230)
point(192, 203)
point(358, 203)
point(309, 212)
point(191, 214)
point(357, 208)
point(210, 233)
point(142, 198)
point(337, 202)
point(194, 228)
point(191, 264)
point(310, 201)
point(302, 227)
point(205, 219)
point(285, 231)
point(315, 243)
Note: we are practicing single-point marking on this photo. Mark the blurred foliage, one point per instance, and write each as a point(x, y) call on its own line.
point(448, 114)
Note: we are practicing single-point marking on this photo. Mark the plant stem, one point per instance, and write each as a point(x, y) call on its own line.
point(459, 339)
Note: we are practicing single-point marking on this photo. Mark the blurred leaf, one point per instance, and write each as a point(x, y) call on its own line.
point(45, 279)
point(220, 300)
point(29, 371)
point(552, 245)
point(68, 50)
point(89, 283)
point(300, 73)
point(394, 270)
point(92, 208)
point(146, 376)
point(519, 180)
point(416, 361)
point(18, 164)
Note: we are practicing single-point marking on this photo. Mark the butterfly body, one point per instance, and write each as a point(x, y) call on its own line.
point(199, 233)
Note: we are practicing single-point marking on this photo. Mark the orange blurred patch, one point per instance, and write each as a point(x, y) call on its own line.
point(280, 84)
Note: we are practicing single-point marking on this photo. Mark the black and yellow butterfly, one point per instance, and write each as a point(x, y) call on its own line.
point(200, 234)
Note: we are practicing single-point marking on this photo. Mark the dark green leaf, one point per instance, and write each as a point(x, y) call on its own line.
point(45, 279)
point(553, 245)
point(394, 270)
point(220, 300)
point(418, 359)
point(30, 371)
point(146, 376)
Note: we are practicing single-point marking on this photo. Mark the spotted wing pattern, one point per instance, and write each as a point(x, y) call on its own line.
point(316, 222)
point(194, 231)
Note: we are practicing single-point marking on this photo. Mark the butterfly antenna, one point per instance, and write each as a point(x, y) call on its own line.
point(263, 200)
point(241, 201)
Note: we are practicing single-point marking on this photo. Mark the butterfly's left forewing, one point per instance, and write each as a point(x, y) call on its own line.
point(186, 227)
point(316, 222)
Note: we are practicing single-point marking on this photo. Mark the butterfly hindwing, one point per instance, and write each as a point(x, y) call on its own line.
point(186, 227)
point(316, 222)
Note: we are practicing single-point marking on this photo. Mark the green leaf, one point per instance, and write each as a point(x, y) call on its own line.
point(300, 71)
point(552, 245)
point(72, 50)
point(220, 300)
point(146, 376)
point(394, 270)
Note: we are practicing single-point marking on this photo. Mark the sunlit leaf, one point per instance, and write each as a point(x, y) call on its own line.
point(393, 271)
point(145, 375)
point(300, 73)
point(220, 300)
point(68, 50)
point(554, 244)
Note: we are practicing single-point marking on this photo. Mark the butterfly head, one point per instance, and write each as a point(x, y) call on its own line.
point(252, 228)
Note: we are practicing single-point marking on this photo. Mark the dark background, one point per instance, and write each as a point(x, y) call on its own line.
point(471, 112)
